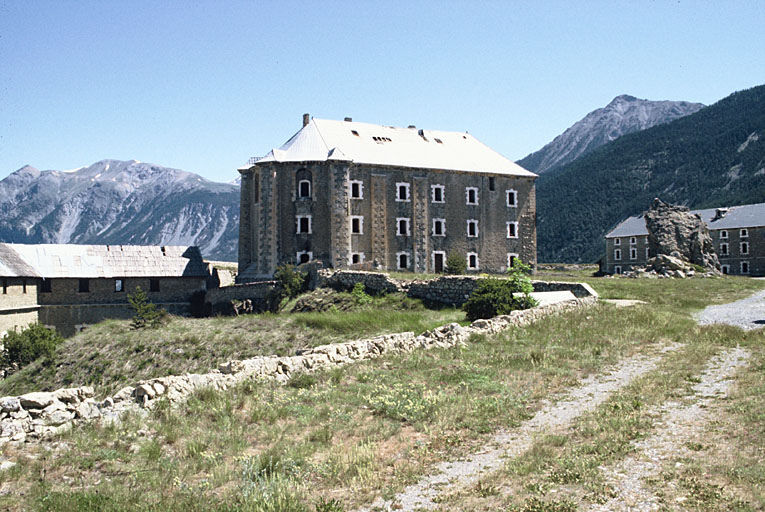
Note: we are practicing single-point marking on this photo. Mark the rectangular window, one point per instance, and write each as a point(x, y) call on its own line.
point(23, 286)
point(472, 228)
point(723, 249)
point(744, 267)
point(725, 269)
point(402, 192)
point(438, 261)
point(491, 184)
point(402, 226)
point(304, 224)
point(45, 286)
point(5, 286)
point(647, 253)
point(304, 189)
point(84, 286)
point(436, 193)
point(472, 261)
point(402, 260)
point(617, 241)
point(439, 227)
point(617, 269)
point(357, 258)
point(471, 195)
point(119, 285)
point(304, 257)
point(617, 254)
point(633, 240)
point(357, 225)
point(724, 233)
point(512, 230)
point(744, 233)
point(357, 189)
point(154, 284)
point(511, 259)
point(744, 247)
point(512, 198)
point(633, 253)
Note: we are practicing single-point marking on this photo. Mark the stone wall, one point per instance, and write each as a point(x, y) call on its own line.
point(219, 300)
point(38, 415)
point(18, 303)
point(445, 289)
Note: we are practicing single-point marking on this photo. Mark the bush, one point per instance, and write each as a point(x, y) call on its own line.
point(360, 296)
point(494, 296)
point(455, 264)
point(146, 314)
point(22, 347)
point(293, 282)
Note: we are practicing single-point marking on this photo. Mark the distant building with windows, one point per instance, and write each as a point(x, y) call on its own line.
point(738, 233)
point(71, 286)
point(358, 195)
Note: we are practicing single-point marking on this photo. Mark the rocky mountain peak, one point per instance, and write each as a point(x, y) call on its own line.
point(624, 114)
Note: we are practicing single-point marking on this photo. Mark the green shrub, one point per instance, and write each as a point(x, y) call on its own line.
point(22, 347)
point(145, 313)
point(455, 264)
point(494, 296)
point(292, 281)
point(360, 296)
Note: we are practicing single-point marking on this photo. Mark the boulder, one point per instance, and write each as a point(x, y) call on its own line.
point(10, 404)
point(37, 400)
point(674, 231)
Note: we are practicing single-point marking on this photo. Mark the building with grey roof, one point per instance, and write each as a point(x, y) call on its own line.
point(70, 286)
point(359, 195)
point(738, 233)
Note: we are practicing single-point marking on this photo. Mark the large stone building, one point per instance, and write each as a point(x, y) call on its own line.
point(358, 195)
point(738, 234)
point(70, 286)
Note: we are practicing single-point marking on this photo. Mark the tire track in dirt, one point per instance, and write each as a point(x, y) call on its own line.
point(678, 423)
point(454, 475)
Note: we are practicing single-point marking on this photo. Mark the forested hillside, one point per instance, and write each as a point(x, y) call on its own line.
point(711, 158)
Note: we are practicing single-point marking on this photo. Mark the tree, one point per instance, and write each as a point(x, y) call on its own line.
point(22, 347)
point(494, 296)
point(455, 264)
point(146, 313)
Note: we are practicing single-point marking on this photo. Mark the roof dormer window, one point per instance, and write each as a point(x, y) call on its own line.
point(355, 133)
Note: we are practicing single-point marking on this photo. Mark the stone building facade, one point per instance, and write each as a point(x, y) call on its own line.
point(363, 196)
point(738, 233)
point(71, 286)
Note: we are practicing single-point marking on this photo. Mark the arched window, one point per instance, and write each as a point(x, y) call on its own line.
point(304, 183)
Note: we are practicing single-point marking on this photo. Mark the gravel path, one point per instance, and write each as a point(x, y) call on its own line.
point(455, 475)
point(678, 424)
point(748, 313)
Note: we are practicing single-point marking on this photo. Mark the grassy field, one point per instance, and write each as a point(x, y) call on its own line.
point(336, 440)
point(111, 355)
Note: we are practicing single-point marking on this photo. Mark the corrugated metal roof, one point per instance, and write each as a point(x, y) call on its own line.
point(321, 140)
point(92, 261)
point(744, 216)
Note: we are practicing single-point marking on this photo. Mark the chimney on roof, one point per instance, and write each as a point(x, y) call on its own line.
point(348, 119)
point(412, 126)
point(306, 119)
point(720, 213)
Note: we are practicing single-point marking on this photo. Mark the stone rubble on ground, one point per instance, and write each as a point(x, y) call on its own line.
point(40, 415)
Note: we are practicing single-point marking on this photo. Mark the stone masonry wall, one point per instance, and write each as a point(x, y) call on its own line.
point(39, 415)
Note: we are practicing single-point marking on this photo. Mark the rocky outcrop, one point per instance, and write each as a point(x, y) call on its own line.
point(675, 232)
point(34, 416)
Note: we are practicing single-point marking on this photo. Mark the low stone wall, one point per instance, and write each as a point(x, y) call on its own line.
point(453, 290)
point(38, 415)
point(219, 300)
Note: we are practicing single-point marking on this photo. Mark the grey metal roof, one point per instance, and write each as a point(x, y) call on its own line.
point(744, 216)
point(93, 261)
point(324, 140)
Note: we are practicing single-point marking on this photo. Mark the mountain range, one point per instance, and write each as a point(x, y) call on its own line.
point(713, 157)
point(624, 115)
point(601, 170)
point(120, 202)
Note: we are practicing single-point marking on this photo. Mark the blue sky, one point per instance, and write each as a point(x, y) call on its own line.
point(203, 85)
